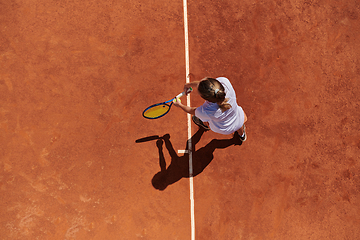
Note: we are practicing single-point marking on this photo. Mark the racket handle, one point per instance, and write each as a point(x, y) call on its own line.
point(183, 93)
point(189, 90)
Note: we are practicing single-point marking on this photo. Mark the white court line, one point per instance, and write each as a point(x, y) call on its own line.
point(183, 151)
point(187, 60)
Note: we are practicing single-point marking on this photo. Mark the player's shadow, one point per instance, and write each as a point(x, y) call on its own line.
point(179, 165)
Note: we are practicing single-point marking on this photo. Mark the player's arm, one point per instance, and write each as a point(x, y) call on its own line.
point(185, 108)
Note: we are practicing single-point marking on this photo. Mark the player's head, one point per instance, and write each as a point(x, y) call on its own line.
point(213, 91)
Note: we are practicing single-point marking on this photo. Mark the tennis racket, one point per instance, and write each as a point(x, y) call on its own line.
point(161, 109)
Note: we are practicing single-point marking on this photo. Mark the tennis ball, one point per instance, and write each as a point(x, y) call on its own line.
point(178, 99)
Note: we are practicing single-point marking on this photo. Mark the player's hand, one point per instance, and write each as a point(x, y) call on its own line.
point(187, 88)
point(177, 102)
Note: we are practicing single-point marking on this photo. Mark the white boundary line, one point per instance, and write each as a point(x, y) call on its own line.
point(183, 151)
point(187, 60)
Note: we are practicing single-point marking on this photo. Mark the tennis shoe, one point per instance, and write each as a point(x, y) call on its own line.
point(243, 137)
point(200, 123)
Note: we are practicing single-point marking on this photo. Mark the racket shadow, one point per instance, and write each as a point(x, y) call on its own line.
point(179, 165)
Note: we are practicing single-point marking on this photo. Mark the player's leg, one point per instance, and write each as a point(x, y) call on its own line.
point(200, 123)
point(241, 131)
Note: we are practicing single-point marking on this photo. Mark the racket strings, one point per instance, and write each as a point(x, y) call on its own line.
point(156, 111)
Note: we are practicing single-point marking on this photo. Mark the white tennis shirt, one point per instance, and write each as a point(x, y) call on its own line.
point(222, 122)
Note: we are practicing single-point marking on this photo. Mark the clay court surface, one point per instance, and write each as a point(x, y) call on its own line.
point(77, 159)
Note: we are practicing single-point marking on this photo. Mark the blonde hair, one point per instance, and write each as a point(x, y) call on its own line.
point(213, 91)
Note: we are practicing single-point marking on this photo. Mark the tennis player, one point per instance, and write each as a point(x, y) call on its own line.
point(220, 112)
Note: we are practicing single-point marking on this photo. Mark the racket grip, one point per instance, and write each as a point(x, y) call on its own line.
point(184, 93)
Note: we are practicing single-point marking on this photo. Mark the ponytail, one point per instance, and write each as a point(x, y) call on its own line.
point(224, 105)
